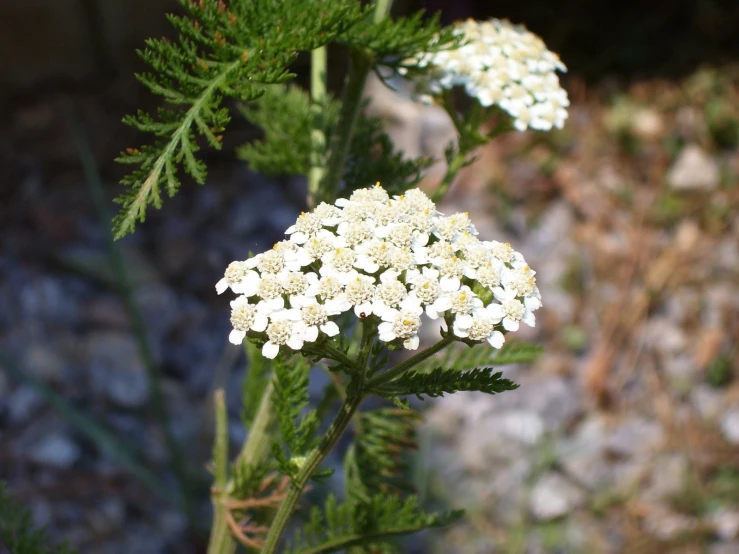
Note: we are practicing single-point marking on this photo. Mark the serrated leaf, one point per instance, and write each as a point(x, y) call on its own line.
point(440, 381)
point(223, 51)
point(463, 357)
point(341, 526)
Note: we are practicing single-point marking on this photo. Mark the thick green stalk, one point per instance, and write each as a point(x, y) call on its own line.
point(254, 450)
point(258, 442)
point(311, 464)
point(318, 137)
point(220, 536)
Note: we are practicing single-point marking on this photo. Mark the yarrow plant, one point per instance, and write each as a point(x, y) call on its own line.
point(499, 64)
point(366, 270)
point(387, 260)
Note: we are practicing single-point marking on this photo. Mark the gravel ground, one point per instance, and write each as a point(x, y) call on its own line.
point(624, 436)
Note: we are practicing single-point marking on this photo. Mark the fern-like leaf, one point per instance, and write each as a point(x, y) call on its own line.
point(373, 158)
point(286, 117)
point(442, 381)
point(394, 40)
point(17, 534)
point(463, 358)
point(224, 50)
point(290, 399)
point(367, 524)
point(377, 462)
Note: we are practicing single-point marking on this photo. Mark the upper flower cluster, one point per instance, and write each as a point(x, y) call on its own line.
point(501, 64)
point(392, 259)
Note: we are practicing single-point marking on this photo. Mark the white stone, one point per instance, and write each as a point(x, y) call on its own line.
point(726, 524)
point(693, 170)
point(553, 497)
point(730, 426)
point(55, 450)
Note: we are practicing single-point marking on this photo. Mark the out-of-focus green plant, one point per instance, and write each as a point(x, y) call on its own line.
point(17, 533)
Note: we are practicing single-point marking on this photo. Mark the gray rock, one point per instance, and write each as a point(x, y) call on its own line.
point(107, 516)
point(665, 335)
point(556, 400)
point(694, 169)
point(667, 525)
point(668, 477)
point(724, 548)
point(23, 403)
point(582, 456)
point(726, 524)
point(172, 524)
point(56, 450)
point(524, 426)
point(116, 368)
point(707, 401)
point(43, 362)
point(730, 425)
point(553, 497)
point(158, 305)
point(635, 436)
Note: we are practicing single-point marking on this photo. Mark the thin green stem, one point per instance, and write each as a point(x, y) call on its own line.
point(318, 137)
point(220, 537)
point(404, 366)
point(351, 103)
point(458, 162)
point(314, 460)
point(382, 8)
point(460, 158)
point(330, 351)
point(126, 291)
point(258, 442)
point(254, 450)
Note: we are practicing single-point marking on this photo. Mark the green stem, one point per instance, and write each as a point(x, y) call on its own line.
point(125, 289)
point(404, 366)
point(318, 137)
point(460, 158)
point(220, 537)
point(258, 443)
point(329, 351)
point(351, 102)
point(341, 138)
point(254, 450)
point(314, 460)
point(455, 165)
point(382, 8)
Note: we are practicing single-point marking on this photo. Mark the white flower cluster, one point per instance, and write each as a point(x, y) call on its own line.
point(392, 259)
point(501, 64)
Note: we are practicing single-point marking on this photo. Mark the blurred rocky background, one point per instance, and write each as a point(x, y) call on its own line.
point(623, 438)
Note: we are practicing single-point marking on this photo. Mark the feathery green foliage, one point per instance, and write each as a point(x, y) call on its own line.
point(394, 40)
point(247, 478)
point(223, 51)
point(373, 158)
point(367, 524)
point(463, 357)
point(285, 117)
point(290, 399)
point(442, 381)
point(17, 534)
point(377, 462)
